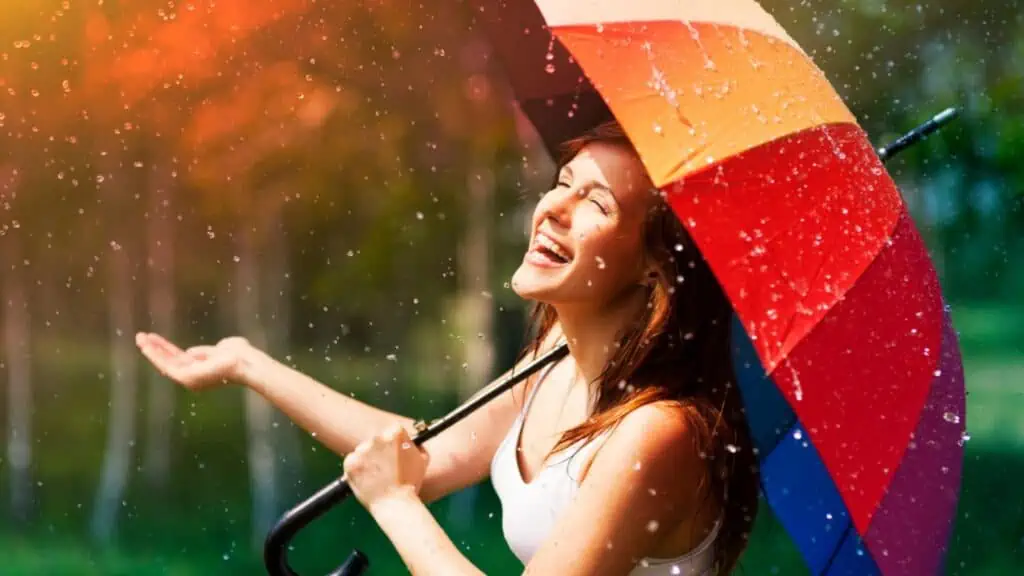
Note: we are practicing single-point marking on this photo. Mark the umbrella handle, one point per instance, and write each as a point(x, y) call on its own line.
point(275, 547)
point(918, 134)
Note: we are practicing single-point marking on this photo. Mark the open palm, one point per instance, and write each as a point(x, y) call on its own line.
point(197, 367)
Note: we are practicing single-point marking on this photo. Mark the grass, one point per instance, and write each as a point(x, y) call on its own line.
point(200, 524)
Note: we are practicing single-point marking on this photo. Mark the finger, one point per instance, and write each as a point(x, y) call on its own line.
point(155, 351)
point(158, 359)
point(161, 343)
point(392, 433)
point(351, 465)
point(201, 352)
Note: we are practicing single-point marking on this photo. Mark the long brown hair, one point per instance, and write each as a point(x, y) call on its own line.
point(677, 351)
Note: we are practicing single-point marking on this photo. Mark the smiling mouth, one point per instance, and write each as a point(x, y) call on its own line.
point(549, 251)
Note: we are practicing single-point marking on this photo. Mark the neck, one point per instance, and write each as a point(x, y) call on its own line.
point(593, 332)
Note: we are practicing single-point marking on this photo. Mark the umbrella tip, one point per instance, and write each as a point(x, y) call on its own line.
point(946, 115)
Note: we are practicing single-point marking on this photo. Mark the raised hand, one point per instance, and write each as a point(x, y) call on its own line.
point(198, 367)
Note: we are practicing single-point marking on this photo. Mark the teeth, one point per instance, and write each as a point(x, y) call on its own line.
point(552, 245)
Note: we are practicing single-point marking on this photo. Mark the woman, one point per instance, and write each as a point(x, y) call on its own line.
point(630, 456)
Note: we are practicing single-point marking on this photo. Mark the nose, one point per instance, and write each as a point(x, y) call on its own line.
point(558, 206)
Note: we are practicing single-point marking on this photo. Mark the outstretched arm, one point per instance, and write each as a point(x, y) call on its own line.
point(460, 457)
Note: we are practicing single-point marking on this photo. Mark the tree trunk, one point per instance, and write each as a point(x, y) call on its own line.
point(162, 304)
point(476, 311)
point(258, 412)
point(118, 455)
point(17, 351)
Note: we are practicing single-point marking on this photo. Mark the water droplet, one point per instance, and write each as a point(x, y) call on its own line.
point(600, 262)
point(951, 417)
point(652, 526)
point(732, 448)
point(797, 435)
point(549, 68)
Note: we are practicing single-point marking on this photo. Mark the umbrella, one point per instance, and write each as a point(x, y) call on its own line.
point(845, 352)
point(850, 369)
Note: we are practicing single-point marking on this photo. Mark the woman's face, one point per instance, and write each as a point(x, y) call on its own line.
point(586, 238)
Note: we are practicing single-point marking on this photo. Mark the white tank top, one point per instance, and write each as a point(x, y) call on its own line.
point(529, 511)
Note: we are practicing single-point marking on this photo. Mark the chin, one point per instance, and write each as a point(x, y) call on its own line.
point(539, 285)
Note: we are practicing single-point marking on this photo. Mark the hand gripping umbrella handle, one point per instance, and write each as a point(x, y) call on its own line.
point(276, 544)
point(275, 547)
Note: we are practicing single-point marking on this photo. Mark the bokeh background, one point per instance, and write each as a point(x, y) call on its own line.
point(346, 184)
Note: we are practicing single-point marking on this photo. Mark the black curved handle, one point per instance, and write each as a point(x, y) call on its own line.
point(275, 547)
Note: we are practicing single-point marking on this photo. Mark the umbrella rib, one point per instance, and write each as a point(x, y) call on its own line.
point(835, 551)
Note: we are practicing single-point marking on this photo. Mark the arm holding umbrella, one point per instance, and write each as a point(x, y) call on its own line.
point(612, 522)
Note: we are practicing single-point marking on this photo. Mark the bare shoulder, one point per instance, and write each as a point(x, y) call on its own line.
point(660, 435)
point(644, 483)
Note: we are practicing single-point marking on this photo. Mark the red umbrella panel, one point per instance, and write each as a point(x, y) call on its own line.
point(847, 359)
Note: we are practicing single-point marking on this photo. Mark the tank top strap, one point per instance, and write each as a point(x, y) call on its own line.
point(533, 391)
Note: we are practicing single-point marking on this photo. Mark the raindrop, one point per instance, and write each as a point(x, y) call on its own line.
point(679, 247)
point(937, 373)
point(652, 526)
point(600, 262)
point(797, 435)
point(550, 68)
point(732, 448)
point(964, 438)
point(951, 417)
point(658, 129)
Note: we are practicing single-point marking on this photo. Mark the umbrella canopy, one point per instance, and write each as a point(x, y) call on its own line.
point(846, 356)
